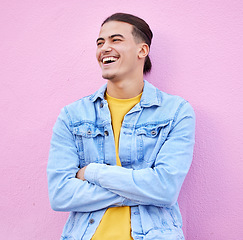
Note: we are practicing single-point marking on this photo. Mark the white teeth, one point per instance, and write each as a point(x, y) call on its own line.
point(109, 59)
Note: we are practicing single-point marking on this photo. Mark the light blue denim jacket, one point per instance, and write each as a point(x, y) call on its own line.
point(156, 148)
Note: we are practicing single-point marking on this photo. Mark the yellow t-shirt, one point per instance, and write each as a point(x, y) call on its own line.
point(116, 222)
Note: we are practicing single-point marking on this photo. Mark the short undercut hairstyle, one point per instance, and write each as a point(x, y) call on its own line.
point(141, 32)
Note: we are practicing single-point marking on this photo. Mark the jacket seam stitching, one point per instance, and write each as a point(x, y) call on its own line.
point(177, 112)
point(68, 116)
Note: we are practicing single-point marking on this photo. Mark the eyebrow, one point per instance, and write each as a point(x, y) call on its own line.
point(112, 36)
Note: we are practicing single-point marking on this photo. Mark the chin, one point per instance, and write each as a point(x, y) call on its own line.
point(108, 76)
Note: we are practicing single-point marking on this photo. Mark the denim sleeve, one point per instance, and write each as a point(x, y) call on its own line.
point(66, 192)
point(160, 185)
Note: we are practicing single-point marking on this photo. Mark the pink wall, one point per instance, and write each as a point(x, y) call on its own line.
point(47, 59)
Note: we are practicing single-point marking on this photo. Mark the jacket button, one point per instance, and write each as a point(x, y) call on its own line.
point(91, 221)
point(153, 132)
point(106, 133)
point(89, 132)
point(101, 105)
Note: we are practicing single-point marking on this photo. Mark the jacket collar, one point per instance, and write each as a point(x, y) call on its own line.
point(150, 96)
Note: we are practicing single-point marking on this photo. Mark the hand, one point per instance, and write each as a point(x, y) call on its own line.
point(80, 174)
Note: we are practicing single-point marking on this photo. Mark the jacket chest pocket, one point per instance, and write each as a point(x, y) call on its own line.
point(150, 139)
point(89, 140)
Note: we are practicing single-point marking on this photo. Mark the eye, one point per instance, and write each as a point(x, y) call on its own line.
point(116, 39)
point(99, 43)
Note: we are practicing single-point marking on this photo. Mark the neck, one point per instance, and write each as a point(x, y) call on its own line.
point(124, 89)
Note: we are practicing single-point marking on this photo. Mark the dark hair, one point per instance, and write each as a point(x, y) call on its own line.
point(141, 31)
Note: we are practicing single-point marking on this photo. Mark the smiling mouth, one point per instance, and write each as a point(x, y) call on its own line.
point(108, 60)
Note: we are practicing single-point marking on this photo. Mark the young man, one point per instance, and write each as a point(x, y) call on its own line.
point(118, 158)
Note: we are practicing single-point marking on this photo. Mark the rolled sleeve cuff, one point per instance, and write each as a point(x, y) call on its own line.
point(91, 172)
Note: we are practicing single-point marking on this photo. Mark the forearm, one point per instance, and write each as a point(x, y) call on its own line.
point(71, 194)
point(145, 186)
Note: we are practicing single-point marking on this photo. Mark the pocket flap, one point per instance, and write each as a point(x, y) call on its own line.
point(88, 130)
point(151, 130)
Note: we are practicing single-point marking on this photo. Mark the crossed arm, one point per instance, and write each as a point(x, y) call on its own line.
point(109, 186)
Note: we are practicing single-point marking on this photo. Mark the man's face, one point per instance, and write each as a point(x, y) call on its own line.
point(117, 51)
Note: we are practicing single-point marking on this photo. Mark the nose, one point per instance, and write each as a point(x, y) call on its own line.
point(105, 47)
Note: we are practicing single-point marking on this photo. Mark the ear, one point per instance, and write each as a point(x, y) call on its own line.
point(143, 50)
